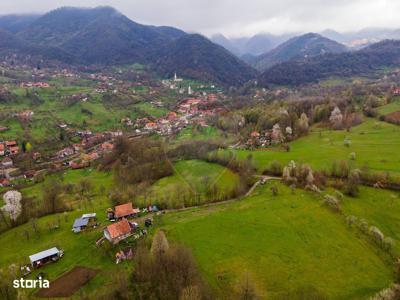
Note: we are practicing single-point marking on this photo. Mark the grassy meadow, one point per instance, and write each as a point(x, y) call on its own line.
point(375, 144)
point(286, 244)
point(192, 183)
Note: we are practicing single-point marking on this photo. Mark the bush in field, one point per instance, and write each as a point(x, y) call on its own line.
point(340, 169)
point(377, 235)
point(332, 202)
point(351, 188)
point(388, 243)
point(347, 142)
point(275, 168)
point(351, 220)
point(391, 293)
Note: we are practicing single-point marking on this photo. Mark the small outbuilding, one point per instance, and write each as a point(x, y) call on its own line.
point(50, 255)
point(84, 222)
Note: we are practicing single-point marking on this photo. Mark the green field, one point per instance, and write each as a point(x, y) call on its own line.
point(380, 208)
point(191, 179)
point(375, 143)
point(391, 107)
point(286, 244)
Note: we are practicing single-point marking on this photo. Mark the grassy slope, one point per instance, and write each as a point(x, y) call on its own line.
point(375, 143)
point(189, 176)
point(380, 208)
point(285, 243)
point(391, 107)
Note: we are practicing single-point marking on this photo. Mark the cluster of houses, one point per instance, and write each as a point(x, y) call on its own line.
point(190, 111)
point(8, 149)
point(266, 138)
point(25, 115)
point(34, 85)
point(98, 144)
point(396, 91)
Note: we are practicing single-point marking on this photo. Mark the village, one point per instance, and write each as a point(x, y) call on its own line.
point(194, 108)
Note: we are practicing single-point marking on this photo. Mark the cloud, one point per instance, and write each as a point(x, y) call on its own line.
point(239, 17)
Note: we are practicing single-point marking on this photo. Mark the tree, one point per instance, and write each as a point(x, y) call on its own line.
point(13, 207)
point(160, 244)
point(302, 125)
point(336, 118)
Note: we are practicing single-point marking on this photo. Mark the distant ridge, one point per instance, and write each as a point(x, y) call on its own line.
point(297, 48)
point(358, 63)
point(102, 35)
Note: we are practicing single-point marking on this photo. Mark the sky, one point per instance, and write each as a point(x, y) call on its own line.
point(235, 18)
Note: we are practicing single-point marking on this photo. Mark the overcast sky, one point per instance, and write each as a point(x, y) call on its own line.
point(239, 17)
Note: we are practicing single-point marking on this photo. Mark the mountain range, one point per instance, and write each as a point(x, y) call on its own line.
point(363, 62)
point(298, 48)
point(102, 35)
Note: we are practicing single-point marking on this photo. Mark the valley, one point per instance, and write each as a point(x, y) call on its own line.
point(145, 162)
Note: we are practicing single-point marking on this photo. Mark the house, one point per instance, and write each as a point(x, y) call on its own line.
point(396, 91)
point(106, 147)
point(50, 255)
point(66, 152)
point(125, 211)
point(30, 174)
point(2, 150)
point(7, 162)
point(118, 231)
point(11, 144)
point(171, 116)
point(4, 182)
point(13, 150)
point(150, 126)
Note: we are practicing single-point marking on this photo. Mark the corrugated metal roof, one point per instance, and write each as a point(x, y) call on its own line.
point(80, 222)
point(43, 254)
point(87, 216)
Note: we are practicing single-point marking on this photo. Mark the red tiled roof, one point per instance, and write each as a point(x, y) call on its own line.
point(11, 143)
point(119, 229)
point(1, 147)
point(125, 210)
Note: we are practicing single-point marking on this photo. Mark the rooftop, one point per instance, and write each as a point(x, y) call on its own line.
point(119, 229)
point(43, 254)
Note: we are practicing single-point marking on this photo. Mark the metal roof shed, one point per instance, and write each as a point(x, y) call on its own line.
point(44, 254)
point(79, 223)
point(88, 216)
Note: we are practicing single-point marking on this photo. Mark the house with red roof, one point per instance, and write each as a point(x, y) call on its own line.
point(7, 162)
point(2, 150)
point(125, 211)
point(118, 231)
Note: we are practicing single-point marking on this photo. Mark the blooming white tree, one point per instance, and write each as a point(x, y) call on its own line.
point(336, 118)
point(277, 136)
point(12, 205)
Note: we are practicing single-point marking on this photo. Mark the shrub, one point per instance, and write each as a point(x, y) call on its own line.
point(332, 202)
point(377, 235)
point(275, 168)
